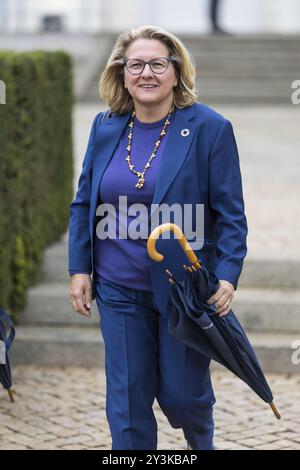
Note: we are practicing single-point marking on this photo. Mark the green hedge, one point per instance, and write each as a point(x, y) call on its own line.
point(35, 165)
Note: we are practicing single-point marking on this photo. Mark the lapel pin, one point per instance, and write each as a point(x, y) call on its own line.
point(185, 132)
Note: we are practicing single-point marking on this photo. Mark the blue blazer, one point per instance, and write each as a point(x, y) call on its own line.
point(201, 168)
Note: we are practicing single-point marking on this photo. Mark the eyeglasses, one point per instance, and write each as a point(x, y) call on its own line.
point(158, 65)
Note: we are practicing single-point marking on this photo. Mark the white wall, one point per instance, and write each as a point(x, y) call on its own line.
point(243, 16)
point(284, 16)
point(240, 16)
point(176, 15)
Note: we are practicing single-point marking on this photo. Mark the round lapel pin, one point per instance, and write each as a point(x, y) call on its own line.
point(185, 132)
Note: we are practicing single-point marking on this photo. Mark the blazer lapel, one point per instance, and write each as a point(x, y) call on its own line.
point(175, 152)
point(106, 141)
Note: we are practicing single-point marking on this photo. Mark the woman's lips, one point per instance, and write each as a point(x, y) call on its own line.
point(148, 88)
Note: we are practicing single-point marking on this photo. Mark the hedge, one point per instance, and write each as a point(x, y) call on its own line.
point(36, 170)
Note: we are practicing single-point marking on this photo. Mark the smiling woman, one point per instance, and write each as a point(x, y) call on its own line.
point(152, 92)
point(172, 73)
point(160, 148)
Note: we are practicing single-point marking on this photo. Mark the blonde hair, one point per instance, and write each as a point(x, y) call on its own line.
point(111, 85)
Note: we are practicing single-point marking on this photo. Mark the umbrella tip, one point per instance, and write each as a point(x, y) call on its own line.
point(274, 409)
point(10, 394)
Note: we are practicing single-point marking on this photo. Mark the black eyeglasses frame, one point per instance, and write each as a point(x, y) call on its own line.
point(169, 59)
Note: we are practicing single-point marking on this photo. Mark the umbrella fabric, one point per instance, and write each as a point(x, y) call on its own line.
point(5, 344)
point(195, 323)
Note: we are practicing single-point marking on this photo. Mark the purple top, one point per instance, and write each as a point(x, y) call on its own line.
point(125, 260)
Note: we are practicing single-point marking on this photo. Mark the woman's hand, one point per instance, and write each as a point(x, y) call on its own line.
point(81, 293)
point(222, 298)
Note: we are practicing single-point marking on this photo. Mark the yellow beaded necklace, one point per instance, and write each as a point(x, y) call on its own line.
point(141, 174)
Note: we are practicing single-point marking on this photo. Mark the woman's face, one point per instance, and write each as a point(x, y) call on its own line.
point(162, 92)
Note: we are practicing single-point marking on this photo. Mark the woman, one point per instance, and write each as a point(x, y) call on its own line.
point(155, 145)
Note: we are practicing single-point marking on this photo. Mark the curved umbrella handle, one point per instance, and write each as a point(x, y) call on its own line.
point(154, 235)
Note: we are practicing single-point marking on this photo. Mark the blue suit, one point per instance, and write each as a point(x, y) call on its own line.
point(200, 168)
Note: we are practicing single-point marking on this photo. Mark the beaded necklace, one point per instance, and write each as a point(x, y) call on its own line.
point(141, 174)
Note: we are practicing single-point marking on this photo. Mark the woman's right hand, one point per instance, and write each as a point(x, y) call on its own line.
point(81, 293)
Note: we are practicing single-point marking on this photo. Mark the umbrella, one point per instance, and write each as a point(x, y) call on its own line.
point(196, 324)
point(5, 344)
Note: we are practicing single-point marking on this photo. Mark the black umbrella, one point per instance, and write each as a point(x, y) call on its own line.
point(5, 344)
point(220, 338)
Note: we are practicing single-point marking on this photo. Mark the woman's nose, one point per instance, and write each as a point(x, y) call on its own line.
point(147, 71)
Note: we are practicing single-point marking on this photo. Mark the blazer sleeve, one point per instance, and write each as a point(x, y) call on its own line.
point(79, 236)
point(226, 201)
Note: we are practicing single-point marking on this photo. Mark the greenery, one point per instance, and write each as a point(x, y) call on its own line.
point(36, 171)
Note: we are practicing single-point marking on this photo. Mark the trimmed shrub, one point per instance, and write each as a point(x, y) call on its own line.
point(36, 171)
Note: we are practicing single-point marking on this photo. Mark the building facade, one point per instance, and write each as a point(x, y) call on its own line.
point(188, 16)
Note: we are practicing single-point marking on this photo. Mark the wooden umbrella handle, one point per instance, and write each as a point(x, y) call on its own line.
point(154, 235)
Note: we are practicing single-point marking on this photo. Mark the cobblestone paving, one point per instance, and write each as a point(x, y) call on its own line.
point(64, 408)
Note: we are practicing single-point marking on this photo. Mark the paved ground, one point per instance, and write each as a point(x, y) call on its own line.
point(64, 408)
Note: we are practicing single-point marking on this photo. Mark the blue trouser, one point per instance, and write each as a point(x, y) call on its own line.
point(143, 362)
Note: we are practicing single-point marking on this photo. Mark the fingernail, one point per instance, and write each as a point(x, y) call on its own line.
point(88, 305)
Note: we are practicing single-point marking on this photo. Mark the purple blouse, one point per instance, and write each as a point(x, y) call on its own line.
point(125, 261)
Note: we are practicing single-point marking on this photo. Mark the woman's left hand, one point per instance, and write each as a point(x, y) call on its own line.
point(222, 298)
